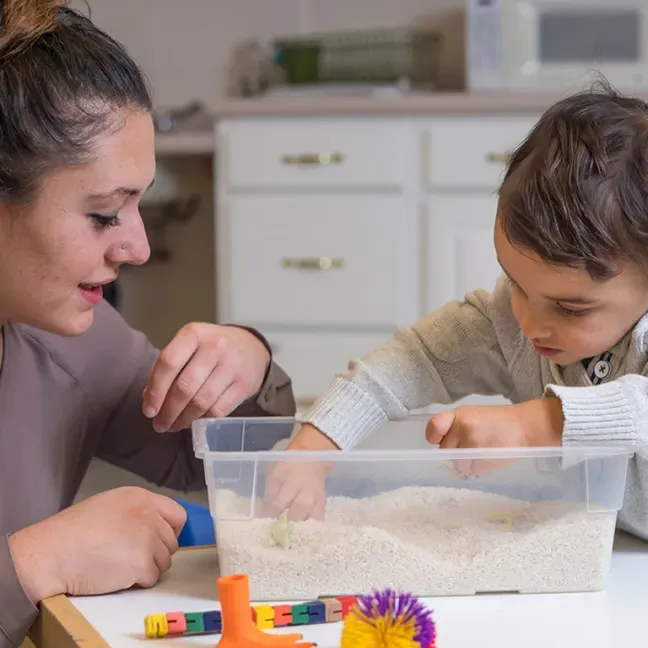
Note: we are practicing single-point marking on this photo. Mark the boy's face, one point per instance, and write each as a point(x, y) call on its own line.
point(567, 315)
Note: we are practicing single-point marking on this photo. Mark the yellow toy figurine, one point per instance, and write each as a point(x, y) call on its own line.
point(281, 531)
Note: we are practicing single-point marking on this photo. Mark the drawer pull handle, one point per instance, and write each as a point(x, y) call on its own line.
point(313, 159)
point(497, 158)
point(313, 263)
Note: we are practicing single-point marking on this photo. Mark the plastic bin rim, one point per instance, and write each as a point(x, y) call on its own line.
point(579, 453)
point(433, 452)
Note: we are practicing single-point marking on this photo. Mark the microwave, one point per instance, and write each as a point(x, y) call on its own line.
point(549, 45)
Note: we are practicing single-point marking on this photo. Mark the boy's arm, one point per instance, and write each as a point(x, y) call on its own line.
point(453, 352)
point(614, 412)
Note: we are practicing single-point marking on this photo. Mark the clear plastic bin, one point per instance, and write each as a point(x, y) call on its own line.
point(403, 514)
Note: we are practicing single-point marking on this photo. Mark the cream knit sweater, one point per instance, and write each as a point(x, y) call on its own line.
point(475, 346)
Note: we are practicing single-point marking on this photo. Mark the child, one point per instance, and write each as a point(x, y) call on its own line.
point(564, 334)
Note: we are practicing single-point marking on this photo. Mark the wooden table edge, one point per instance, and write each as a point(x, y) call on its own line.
point(61, 624)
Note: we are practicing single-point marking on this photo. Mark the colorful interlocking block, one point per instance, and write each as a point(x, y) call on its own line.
point(324, 610)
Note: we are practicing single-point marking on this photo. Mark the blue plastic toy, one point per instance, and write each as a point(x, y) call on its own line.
point(198, 531)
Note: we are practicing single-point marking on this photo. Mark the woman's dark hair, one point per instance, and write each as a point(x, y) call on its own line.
point(576, 189)
point(62, 84)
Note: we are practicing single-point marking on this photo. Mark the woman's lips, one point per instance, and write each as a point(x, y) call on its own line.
point(94, 294)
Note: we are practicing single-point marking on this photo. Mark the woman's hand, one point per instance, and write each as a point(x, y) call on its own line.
point(206, 370)
point(109, 542)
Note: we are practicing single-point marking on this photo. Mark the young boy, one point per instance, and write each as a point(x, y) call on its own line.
point(564, 334)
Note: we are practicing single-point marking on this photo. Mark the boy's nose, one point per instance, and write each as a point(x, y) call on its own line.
point(532, 329)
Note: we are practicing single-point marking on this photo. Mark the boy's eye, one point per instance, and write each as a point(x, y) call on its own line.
point(105, 221)
point(571, 312)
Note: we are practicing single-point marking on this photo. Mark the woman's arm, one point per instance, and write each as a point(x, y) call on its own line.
point(17, 612)
point(125, 437)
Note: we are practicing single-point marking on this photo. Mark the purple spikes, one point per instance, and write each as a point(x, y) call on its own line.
point(404, 607)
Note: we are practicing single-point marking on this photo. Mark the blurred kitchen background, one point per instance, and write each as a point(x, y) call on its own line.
point(401, 212)
point(188, 51)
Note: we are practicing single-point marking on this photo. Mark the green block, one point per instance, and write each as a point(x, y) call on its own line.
point(300, 615)
point(195, 622)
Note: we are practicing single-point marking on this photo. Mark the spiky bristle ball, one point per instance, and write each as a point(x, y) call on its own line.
point(389, 619)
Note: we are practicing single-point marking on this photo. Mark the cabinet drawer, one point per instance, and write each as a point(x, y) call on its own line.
point(313, 359)
point(321, 260)
point(472, 152)
point(313, 153)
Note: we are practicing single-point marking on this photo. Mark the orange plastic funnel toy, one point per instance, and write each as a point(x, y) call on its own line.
point(239, 630)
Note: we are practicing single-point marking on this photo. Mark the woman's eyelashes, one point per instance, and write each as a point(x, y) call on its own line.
point(105, 221)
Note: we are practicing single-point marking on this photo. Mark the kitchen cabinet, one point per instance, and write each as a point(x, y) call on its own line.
point(460, 255)
point(333, 230)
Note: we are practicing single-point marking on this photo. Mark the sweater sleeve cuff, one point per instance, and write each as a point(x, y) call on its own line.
point(17, 612)
point(593, 415)
point(271, 397)
point(345, 414)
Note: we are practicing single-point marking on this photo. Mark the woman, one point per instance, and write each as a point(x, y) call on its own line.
point(76, 155)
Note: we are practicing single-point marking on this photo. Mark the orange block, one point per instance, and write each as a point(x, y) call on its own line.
point(347, 603)
point(176, 622)
point(282, 615)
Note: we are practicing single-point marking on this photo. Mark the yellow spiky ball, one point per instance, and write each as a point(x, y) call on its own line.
point(388, 620)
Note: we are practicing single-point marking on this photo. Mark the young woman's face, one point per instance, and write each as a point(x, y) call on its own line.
point(57, 252)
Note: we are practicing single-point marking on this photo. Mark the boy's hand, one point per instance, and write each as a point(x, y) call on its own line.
point(299, 486)
point(536, 423)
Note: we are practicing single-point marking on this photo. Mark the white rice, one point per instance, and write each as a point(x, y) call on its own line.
point(424, 540)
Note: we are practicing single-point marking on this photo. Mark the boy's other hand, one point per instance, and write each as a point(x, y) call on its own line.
point(535, 423)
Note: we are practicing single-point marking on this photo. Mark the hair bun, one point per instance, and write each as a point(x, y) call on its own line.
point(22, 22)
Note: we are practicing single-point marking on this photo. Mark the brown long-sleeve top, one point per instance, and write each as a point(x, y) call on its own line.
point(66, 400)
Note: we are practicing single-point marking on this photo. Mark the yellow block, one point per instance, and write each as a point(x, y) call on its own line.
point(156, 625)
point(265, 615)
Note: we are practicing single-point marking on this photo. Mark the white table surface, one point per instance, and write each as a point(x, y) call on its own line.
point(617, 617)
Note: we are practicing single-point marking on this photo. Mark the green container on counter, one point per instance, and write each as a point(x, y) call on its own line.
point(365, 56)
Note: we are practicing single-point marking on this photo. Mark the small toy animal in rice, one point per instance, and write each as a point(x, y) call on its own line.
point(281, 531)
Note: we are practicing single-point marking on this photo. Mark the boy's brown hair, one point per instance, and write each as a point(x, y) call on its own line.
point(576, 189)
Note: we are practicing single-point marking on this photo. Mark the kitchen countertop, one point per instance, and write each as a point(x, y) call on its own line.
point(202, 142)
point(413, 104)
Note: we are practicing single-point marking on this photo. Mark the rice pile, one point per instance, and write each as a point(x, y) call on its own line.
point(428, 541)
